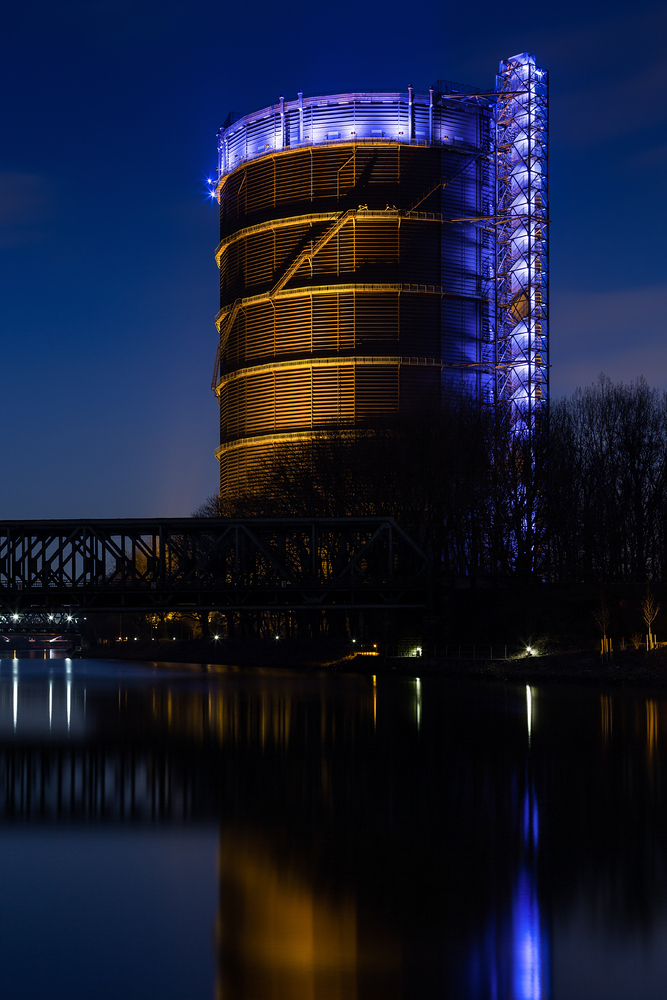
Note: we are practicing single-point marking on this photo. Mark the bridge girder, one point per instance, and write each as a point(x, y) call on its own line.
point(201, 564)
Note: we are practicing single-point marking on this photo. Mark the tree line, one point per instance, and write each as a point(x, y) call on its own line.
point(606, 484)
point(584, 502)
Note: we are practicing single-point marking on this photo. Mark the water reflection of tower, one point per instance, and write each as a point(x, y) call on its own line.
point(283, 935)
point(286, 928)
point(529, 939)
point(512, 959)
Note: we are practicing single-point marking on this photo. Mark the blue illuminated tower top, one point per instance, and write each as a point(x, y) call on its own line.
point(411, 117)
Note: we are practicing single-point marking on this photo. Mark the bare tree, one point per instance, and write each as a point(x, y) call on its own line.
point(601, 616)
point(650, 609)
point(606, 486)
point(211, 507)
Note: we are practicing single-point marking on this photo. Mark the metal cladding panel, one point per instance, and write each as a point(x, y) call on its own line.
point(419, 250)
point(333, 396)
point(419, 386)
point(306, 398)
point(309, 326)
point(377, 321)
point(420, 325)
point(334, 318)
point(461, 345)
point(375, 394)
point(293, 400)
point(327, 179)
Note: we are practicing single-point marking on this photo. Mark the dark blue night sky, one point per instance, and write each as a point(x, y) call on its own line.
point(109, 284)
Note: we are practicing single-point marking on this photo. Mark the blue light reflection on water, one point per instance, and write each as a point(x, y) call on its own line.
point(512, 960)
point(530, 943)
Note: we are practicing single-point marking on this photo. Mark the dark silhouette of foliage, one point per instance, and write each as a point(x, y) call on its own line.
point(583, 501)
point(606, 484)
point(211, 507)
point(452, 474)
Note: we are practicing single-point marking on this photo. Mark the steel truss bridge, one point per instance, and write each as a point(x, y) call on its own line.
point(55, 624)
point(200, 564)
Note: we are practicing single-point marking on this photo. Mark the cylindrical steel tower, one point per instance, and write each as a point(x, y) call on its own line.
point(354, 264)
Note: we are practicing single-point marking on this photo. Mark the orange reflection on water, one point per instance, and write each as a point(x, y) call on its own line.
point(281, 937)
point(227, 717)
point(606, 714)
point(651, 729)
point(264, 716)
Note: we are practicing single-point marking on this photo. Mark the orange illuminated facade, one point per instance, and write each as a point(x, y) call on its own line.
point(352, 275)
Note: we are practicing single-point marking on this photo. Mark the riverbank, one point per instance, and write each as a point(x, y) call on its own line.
point(302, 653)
point(628, 666)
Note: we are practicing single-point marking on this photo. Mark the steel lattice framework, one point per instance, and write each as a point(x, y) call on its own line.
point(522, 242)
point(38, 623)
point(200, 564)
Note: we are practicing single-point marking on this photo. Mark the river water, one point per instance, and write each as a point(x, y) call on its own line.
point(188, 833)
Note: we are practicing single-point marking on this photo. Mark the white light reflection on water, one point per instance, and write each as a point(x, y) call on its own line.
point(15, 691)
point(418, 702)
point(68, 671)
point(529, 711)
point(50, 702)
